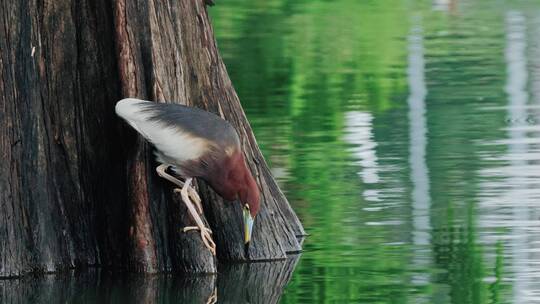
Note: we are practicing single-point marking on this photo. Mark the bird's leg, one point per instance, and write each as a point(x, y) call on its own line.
point(213, 297)
point(162, 172)
point(187, 191)
point(196, 198)
point(205, 232)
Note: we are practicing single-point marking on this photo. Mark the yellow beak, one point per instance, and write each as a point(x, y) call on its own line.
point(248, 225)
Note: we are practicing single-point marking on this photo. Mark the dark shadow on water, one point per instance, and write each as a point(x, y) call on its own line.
point(255, 282)
point(236, 283)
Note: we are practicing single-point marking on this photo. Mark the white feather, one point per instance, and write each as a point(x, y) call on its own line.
point(171, 142)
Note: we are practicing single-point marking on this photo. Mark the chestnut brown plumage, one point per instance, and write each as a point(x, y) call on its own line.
point(196, 144)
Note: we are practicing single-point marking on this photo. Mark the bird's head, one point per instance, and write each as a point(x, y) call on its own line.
point(249, 197)
point(240, 185)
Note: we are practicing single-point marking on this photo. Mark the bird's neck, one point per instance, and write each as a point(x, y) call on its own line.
point(232, 177)
point(240, 175)
point(248, 191)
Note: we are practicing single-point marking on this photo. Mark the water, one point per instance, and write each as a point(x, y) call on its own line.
point(406, 135)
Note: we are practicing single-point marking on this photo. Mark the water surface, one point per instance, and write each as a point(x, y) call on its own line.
point(406, 135)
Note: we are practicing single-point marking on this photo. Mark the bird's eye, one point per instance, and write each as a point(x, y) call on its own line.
point(246, 206)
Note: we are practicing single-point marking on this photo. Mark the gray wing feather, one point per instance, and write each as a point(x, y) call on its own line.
point(195, 121)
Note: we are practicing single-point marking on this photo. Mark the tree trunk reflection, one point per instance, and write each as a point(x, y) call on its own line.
point(235, 283)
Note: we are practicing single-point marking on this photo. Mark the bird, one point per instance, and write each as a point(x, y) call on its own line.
point(195, 143)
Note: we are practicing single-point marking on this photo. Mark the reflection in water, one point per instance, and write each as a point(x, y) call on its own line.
point(409, 196)
point(417, 153)
point(517, 100)
point(535, 73)
point(238, 283)
point(359, 134)
point(441, 5)
point(94, 286)
point(512, 190)
point(255, 282)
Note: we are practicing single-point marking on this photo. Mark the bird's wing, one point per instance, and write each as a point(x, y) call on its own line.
point(178, 132)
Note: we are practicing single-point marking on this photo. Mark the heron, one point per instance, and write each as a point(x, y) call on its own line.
point(194, 143)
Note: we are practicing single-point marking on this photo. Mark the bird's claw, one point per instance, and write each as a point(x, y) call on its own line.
point(189, 228)
point(205, 236)
point(209, 242)
point(213, 297)
point(205, 232)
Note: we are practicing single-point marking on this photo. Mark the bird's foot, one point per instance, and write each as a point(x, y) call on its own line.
point(205, 232)
point(189, 228)
point(162, 172)
point(213, 297)
point(206, 236)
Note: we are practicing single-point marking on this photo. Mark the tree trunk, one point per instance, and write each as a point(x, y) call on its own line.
point(77, 186)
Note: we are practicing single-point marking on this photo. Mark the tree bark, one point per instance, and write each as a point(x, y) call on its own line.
point(61, 177)
point(77, 186)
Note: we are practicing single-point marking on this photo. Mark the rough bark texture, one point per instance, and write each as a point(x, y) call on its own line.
point(77, 186)
point(61, 157)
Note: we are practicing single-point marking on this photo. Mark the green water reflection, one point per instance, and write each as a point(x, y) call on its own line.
point(406, 135)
